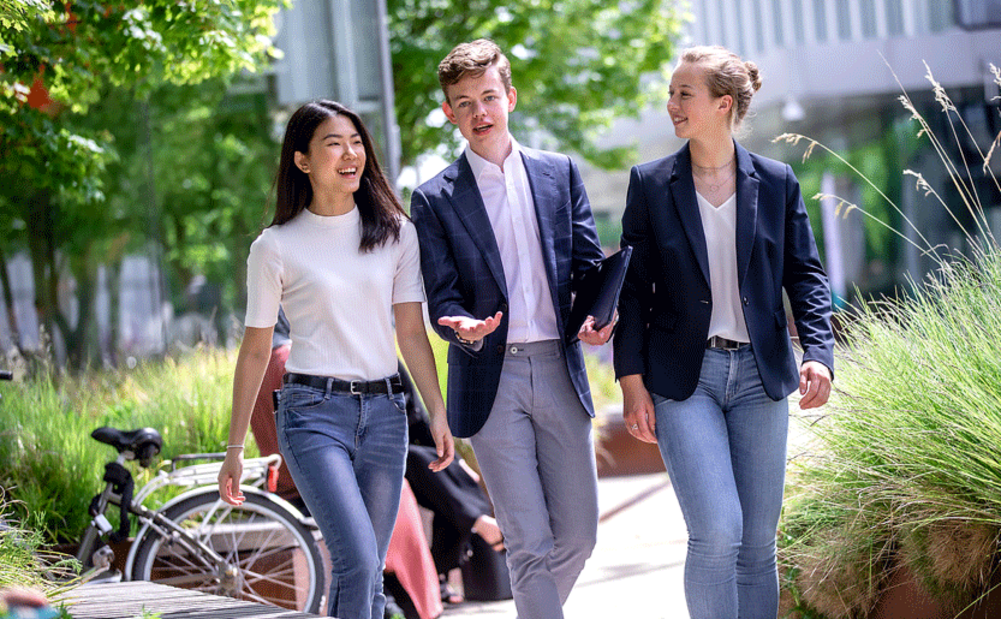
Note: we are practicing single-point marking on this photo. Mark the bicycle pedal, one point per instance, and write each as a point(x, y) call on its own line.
point(103, 557)
point(104, 577)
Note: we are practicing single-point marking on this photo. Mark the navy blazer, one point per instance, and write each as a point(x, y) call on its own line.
point(463, 274)
point(666, 300)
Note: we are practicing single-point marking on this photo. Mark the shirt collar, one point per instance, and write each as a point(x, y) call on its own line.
point(481, 166)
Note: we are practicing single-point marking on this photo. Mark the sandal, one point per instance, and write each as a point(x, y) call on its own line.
point(448, 594)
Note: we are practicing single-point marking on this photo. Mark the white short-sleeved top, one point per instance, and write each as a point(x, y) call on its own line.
point(338, 299)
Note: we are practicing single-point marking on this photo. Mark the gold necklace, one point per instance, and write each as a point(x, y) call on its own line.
point(704, 167)
point(714, 187)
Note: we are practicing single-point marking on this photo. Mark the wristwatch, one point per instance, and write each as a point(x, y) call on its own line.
point(463, 340)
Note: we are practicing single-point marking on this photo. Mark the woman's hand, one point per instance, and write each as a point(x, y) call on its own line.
point(229, 477)
point(637, 408)
point(814, 384)
point(443, 441)
point(251, 362)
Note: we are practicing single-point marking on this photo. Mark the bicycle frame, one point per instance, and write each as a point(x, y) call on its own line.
point(199, 477)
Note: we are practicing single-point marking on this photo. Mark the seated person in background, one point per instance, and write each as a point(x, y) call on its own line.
point(454, 495)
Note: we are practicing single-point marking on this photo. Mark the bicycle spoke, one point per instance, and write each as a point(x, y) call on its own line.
point(271, 558)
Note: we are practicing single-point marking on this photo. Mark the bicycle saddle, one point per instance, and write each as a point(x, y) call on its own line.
point(144, 442)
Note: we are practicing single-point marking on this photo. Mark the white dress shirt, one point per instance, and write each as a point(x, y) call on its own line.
point(719, 224)
point(507, 197)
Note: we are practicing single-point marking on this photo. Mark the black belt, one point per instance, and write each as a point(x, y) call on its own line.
point(723, 343)
point(393, 384)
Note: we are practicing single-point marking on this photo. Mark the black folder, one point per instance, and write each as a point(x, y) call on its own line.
point(598, 293)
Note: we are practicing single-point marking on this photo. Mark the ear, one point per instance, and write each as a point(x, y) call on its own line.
point(512, 99)
point(725, 104)
point(448, 112)
point(301, 161)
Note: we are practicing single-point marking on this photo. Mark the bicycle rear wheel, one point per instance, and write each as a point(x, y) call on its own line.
point(272, 558)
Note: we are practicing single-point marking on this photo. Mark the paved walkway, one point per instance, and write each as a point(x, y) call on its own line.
point(636, 568)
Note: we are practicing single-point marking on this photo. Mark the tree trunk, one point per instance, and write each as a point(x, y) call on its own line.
point(38, 217)
point(79, 347)
point(8, 302)
point(114, 310)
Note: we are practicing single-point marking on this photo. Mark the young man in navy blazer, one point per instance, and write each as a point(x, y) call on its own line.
point(506, 233)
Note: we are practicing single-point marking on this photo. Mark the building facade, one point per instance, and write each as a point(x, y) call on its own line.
point(833, 70)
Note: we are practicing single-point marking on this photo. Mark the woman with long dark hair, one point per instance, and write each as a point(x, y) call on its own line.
point(341, 258)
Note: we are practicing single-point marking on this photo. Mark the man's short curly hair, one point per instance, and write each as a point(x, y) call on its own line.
point(473, 59)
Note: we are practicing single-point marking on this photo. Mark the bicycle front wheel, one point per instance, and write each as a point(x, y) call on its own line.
point(270, 556)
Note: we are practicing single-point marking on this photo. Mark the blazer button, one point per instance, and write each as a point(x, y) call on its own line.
point(745, 301)
point(503, 307)
point(500, 349)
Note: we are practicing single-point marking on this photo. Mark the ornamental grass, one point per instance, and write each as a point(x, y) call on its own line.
point(902, 470)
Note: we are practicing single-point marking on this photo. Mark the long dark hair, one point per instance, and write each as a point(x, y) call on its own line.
point(377, 203)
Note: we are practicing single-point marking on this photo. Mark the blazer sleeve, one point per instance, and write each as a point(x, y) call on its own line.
point(805, 281)
point(586, 250)
point(438, 269)
point(636, 298)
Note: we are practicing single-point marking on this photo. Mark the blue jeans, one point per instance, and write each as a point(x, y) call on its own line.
point(725, 451)
point(347, 454)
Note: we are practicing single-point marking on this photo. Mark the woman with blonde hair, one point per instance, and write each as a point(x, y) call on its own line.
point(702, 351)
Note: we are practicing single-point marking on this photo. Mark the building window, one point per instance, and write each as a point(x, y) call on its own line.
point(706, 35)
point(777, 24)
point(759, 26)
point(868, 10)
point(845, 19)
point(739, 24)
point(798, 28)
point(820, 20)
point(894, 18)
point(978, 13)
point(721, 19)
point(939, 15)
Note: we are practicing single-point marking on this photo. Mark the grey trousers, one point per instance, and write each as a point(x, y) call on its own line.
point(536, 453)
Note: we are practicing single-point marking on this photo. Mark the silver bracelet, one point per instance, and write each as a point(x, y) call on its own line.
point(228, 447)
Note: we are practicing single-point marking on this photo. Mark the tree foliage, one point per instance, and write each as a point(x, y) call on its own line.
point(57, 61)
point(577, 64)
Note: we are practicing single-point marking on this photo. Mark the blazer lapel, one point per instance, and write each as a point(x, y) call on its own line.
point(468, 206)
point(747, 210)
point(683, 192)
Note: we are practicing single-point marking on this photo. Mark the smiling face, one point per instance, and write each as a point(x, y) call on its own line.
point(480, 106)
point(336, 157)
point(694, 110)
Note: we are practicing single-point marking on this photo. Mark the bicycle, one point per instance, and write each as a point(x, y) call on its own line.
point(264, 551)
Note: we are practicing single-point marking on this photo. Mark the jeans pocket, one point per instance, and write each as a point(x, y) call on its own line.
point(300, 397)
point(400, 401)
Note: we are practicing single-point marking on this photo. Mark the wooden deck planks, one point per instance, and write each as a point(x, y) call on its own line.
point(128, 600)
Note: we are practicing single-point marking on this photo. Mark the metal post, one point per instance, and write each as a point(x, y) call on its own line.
point(392, 130)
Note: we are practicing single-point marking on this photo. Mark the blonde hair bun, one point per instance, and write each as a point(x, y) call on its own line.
point(753, 74)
